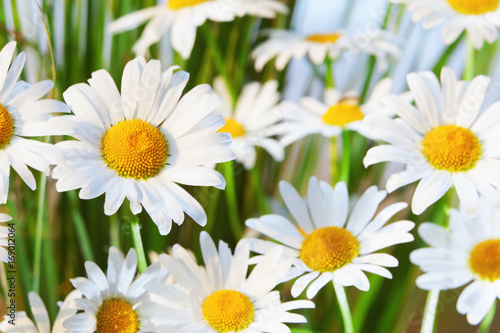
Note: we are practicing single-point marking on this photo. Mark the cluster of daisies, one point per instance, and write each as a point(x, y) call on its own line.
point(143, 142)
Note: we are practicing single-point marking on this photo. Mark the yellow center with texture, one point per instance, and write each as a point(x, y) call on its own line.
point(116, 316)
point(323, 38)
point(474, 7)
point(232, 127)
point(328, 249)
point(485, 260)
point(228, 311)
point(342, 114)
point(178, 4)
point(452, 148)
point(6, 126)
point(134, 149)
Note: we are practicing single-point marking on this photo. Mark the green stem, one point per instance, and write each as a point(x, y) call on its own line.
point(81, 230)
point(137, 240)
point(443, 60)
point(344, 308)
point(488, 320)
point(345, 162)
point(334, 158)
point(329, 80)
point(231, 198)
point(470, 64)
point(40, 217)
point(259, 191)
point(429, 318)
point(114, 232)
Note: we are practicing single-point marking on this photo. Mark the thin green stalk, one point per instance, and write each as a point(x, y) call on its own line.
point(344, 308)
point(334, 157)
point(429, 318)
point(488, 320)
point(470, 64)
point(329, 80)
point(114, 232)
point(445, 56)
point(40, 217)
point(81, 230)
point(259, 191)
point(137, 240)
point(232, 203)
point(345, 162)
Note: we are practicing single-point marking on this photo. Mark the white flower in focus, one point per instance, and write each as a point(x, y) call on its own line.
point(467, 251)
point(4, 238)
point(115, 301)
point(23, 323)
point(443, 141)
point(220, 297)
point(336, 113)
point(139, 144)
point(328, 242)
point(22, 115)
point(480, 19)
point(252, 122)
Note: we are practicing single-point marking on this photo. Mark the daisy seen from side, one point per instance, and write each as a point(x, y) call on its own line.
point(443, 141)
point(141, 143)
point(328, 242)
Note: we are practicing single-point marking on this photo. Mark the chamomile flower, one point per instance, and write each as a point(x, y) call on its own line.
point(480, 18)
point(443, 141)
point(23, 115)
point(251, 122)
point(4, 238)
point(336, 113)
point(139, 144)
point(467, 251)
point(116, 301)
point(261, 8)
point(220, 297)
point(23, 324)
point(328, 242)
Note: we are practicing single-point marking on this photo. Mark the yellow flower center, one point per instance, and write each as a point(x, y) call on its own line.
point(116, 316)
point(342, 114)
point(228, 311)
point(232, 127)
point(474, 7)
point(485, 260)
point(134, 149)
point(452, 148)
point(329, 248)
point(178, 4)
point(323, 38)
point(6, 126)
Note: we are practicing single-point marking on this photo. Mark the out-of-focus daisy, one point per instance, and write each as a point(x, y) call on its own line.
point(336, 113)
point(4, 238)
point(251, 122)
point(23, 323)
point(481, 19)
point(115, 301)
point(139, 144)
point(468, 250)
point(261, 8)
point(330, 243)
point(220, 297)
point(443, 141)
point(23, 115)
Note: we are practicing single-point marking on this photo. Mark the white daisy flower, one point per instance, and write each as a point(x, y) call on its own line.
point(336, 113)
point(139, 144)
point(115, 301)
point(468, 250)
point(443, 141)
point(251, 123)
point(23, 324)
point(220, 297)
point(330, 243)
point(261, 8)
point(480, 19)
point(5, 235)
point(23, 115)
point(178, 18)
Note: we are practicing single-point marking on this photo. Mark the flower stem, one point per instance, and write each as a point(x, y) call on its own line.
point(488, 320)
point(40, 217)
point(344, 308)
point(137, 240)
point(329, 80)
point(259, 191)
point(334, 156)
point(81, 230)
point(428, 321)
point(470, 65)
point(232, 203)
point(346, 157)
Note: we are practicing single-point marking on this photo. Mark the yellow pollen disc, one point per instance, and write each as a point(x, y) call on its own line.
point(178, 4)
point(474, 7)
point(134, 149)
point(342, 114)
point(485, 260)
point(6, 126)
point(328, 249)
point(116, 316)
point(228, 311)
point(323, 38)
point(232, 127)
point(452, 148)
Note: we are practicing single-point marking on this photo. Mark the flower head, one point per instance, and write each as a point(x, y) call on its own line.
point(139, 144)
point(330, 243)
